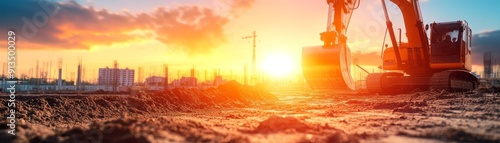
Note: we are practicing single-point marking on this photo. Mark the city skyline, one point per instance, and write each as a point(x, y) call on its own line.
point(123, 32)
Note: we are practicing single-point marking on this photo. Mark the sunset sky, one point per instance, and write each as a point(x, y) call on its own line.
point(208, 33)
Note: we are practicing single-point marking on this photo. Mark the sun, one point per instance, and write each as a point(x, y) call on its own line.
point(278, 65)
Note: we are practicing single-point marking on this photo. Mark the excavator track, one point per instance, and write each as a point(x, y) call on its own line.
point(454, 81)
point(381, 83)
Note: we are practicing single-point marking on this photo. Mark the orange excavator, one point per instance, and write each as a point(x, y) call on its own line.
point(441, 62)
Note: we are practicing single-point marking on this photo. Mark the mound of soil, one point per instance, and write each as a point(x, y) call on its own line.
point(126, 129)
point(408, 109)
point(192, 115)
point(493, 89)
point(56, 110)
point(290, 125)
point(276, 124)
point(455, 134)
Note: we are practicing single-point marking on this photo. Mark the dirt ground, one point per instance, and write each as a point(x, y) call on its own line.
point(236, 113)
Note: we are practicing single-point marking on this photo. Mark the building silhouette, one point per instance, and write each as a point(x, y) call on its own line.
point(107, 76)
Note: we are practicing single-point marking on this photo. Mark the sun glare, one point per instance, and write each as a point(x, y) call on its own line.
point(278, 65)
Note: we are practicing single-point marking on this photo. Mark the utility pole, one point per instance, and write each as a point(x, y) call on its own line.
point(165, 80)
point(115, 76)
point(192, 80)
point(139, 78)
point(50, 70)
point(254, 76)
point(4, 66)
point(36, 72)
point(79, 74)
point(66, 77)
point(59, 75)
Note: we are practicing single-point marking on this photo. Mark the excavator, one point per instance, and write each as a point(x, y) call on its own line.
point(441, 62)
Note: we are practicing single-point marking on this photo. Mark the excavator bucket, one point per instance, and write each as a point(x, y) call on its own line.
point(328, 68)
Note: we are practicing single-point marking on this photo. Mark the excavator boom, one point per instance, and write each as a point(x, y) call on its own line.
point(328, 66)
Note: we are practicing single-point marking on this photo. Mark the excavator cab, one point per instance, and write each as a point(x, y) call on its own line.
point(450, 45)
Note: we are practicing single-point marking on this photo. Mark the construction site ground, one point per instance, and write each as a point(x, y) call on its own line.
point(236, 113)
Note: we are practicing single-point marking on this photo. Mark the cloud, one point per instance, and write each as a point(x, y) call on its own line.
point(46, 24)
point(193, 29)
point(66, 25)
point(484, 42)
point(241, 4)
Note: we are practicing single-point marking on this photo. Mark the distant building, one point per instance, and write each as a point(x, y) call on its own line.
point(185, 81)
point(155, 80)
point(218, 80)
point(107, 76)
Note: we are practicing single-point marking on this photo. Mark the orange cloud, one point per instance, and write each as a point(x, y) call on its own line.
point(68, 25)
point(193, 29)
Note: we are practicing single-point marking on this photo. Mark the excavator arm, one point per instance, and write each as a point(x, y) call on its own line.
point(328, 67)
point(336, 29)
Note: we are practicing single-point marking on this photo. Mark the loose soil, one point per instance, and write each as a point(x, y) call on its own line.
point(238, 113)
